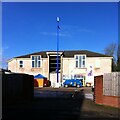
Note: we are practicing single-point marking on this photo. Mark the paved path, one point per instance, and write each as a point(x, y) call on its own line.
point(65, 94)
point(46, 92)
point(59, 104)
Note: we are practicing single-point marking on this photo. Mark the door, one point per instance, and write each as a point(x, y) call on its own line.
point(53, 79)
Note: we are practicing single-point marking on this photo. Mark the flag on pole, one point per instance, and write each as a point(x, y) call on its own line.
point(58, 27)
point(58, 19)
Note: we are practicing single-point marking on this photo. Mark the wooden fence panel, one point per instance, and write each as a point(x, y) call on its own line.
point(111, 84)
point(17, 88)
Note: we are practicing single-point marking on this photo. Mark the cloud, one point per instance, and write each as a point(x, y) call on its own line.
point(55, 34)
point(85, 30)
point(3, 59)
point(75, 29)
point(68, 31)
point(3, 62)
point(3, 49)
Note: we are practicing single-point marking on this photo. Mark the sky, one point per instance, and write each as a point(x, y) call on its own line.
point(29, 27)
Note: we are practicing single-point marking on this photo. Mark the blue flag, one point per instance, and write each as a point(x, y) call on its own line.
point(58, 27)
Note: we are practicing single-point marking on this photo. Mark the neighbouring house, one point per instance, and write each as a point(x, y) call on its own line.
point(81, 64)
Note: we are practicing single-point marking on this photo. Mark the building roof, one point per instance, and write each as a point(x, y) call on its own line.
point(67, 54)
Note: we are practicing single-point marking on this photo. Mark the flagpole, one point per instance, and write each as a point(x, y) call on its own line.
point(57, 48)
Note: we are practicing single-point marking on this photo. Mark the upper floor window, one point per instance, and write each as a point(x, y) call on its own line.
point(36, 62)
point(80, 61)
point(21, 64)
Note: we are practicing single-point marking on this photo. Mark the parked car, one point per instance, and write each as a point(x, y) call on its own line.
point(73, 83)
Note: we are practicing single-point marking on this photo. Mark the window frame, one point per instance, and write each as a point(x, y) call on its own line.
point(37, 61)
point(78, 61)
point(21, 64)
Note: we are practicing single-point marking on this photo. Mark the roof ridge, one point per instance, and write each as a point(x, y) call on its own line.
point(67, 53)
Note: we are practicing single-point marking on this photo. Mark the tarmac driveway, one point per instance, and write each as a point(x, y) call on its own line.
point(59, 104)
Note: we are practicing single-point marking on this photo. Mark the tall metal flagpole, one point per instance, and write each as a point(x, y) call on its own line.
point(57, 47)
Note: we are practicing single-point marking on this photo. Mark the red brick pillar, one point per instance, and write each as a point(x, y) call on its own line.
point(98, 92)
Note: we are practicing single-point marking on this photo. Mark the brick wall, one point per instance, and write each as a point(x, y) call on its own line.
point(111, 101)
point(99, 98)
point(98, 89)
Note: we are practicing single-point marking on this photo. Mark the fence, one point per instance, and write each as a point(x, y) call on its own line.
point(109, 94)
point(17, 88)
point(111, 84)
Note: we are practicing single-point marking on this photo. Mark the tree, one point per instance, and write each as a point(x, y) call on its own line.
point(111, 50)
point(118, 58)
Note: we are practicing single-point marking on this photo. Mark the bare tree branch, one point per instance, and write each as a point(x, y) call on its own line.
point(111, 49)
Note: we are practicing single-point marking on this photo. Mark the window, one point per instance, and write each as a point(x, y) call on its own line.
point(36, 62)
point(21, 64)
point(80, 61)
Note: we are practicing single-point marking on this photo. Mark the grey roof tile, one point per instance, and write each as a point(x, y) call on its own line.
point(67, 53)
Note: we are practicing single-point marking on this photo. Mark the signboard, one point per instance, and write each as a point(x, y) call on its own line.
point(90, 74)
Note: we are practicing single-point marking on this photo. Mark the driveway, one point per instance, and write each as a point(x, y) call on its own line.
point(58, 104)
point(88, 94)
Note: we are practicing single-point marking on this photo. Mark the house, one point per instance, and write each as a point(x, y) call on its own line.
point(81, 64)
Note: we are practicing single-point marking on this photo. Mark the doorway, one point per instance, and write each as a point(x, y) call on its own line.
point(53, 69)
